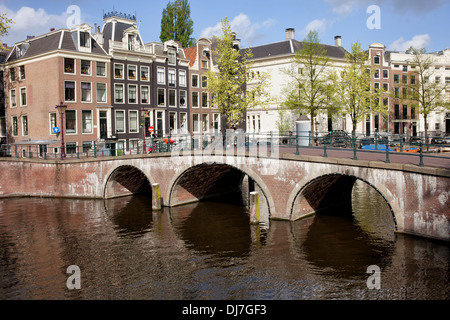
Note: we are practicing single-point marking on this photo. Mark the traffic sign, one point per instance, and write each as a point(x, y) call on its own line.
point(55, 129)
point(150, 129)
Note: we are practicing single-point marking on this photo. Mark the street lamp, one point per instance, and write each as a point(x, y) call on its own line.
point(62, 109)
point(143, 112)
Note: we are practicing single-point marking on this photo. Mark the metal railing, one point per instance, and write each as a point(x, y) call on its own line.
point(319, 143)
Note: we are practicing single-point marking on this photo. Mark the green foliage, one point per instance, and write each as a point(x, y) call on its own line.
point(176, 23)
point(353, 88)
point(231, 89)
point(309, 90)
point(4, 26)
point(429, 95)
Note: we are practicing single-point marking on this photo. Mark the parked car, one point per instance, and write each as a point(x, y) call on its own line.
point(441, 140)
point(415, 141)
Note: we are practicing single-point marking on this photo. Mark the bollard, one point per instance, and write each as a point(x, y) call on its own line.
point(421, 155)
point(254, 207)
point(296, 145)
point(387, 153)
point(156, 196)
point(354, 148)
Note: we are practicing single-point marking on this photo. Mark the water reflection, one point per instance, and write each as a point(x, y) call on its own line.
point(209, 251)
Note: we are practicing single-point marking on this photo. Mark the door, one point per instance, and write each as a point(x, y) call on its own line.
point(103, 125)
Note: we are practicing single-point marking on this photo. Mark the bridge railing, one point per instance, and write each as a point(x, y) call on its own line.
point(335, 144)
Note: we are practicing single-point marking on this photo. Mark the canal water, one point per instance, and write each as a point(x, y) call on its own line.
point(209, 251)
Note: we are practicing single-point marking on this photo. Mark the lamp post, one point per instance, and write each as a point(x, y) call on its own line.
point(143, 111)
point(62, 109)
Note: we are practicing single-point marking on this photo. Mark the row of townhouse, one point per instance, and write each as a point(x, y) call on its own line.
point(110, 86)
point(393, 72)
point(105, 85)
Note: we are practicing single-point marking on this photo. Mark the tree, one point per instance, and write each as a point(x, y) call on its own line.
point(353, 88)
point(234, 88)
point(176, 23)
point(309, 90)
point(430, 95)
point(4, 26)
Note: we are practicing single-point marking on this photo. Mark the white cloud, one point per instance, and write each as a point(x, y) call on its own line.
point(248, 32)
point(318, 25)
point(418, 41)
point(31, 22)
point(345, 7)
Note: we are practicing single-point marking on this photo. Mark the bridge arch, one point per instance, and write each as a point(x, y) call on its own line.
point(214, 179)
point(125, 180)
point(309, 196)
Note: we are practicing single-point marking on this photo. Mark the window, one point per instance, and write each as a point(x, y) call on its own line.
point(204, 81)
point(118, 71)
point(195, 80)
point(101, 92)
point(216, 122)
point(133, 117)
point(377, 74)
point(437, 79)
point(205, 119)
point(172, 98)
point(24, 125)
point(172, 77)
point(118, 93)
point(131, 42)
point(101, 69)
point(71, 121)
point(145, 74)
point(173, 122)
point(86, 121)
point(405, 111)
point(385, 74)
point(13, 98)
point(132, 93)
point(182, 77)
point(120, 121)
point(204, 100)
point(71, 147)
point(69, 91)
point(413, 112)
point(85, 67)
point(87, 145)
point(145, 94)
point(85, 40)
point(183, 99)
point(23, 96)
point(86, 92)
point(69, 65)
point(183, 121)
point(404, 79)
point(172, 56)
point(447, 79)
point(195, 99)
point(161, 75)
point(396, 92)
point(204, 64)
point(404, 93)
point(132, 72)
point(397, 111)
point(12, 74)
point(413, 79)
point(161, 97)
point(22, 72)
point(396, 78)
point(52, 122)
point(376, 60)
point(15, 128)
point(195, 122)
point(405, 68)
point(385, 87)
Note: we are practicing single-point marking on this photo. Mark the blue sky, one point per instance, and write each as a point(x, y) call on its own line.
point(421, 23)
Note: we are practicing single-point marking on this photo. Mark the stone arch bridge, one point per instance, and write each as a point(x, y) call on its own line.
point(289, 186)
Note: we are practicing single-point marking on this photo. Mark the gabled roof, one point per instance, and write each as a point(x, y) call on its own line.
point(114, 30)
point(290, 47)
point(56, 40)
point(191, 55)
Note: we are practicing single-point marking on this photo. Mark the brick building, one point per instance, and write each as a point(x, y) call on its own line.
point(62, 66)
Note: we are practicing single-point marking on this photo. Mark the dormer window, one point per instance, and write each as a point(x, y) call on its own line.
point(85, 39)
point(131, 46)
point(172, 56)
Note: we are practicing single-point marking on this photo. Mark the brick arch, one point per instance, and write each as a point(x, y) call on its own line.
point(124, 180)
point(242, 170)
point(308, 196)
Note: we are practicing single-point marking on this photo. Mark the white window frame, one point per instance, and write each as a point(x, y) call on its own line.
point(129, 67)
point(11, 98)
point(97, 95)
point(123, 119)
point(83, 123)
point(148, 94)
point(160, 74)
point(157, 97)
point(123, 71)
point(105, 69)
point(123, 93)
point(148, 73)
point(175, 98)
point(26, 97)
point(185, 99)
point(136, 94)
point(130, 123)
point(74, 91)
point(25, 124)
point(182, 78)
point(81, 90)
point(90, 68)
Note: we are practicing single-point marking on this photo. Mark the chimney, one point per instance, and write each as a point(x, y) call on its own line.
point(338, 41)
point(290, 34)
